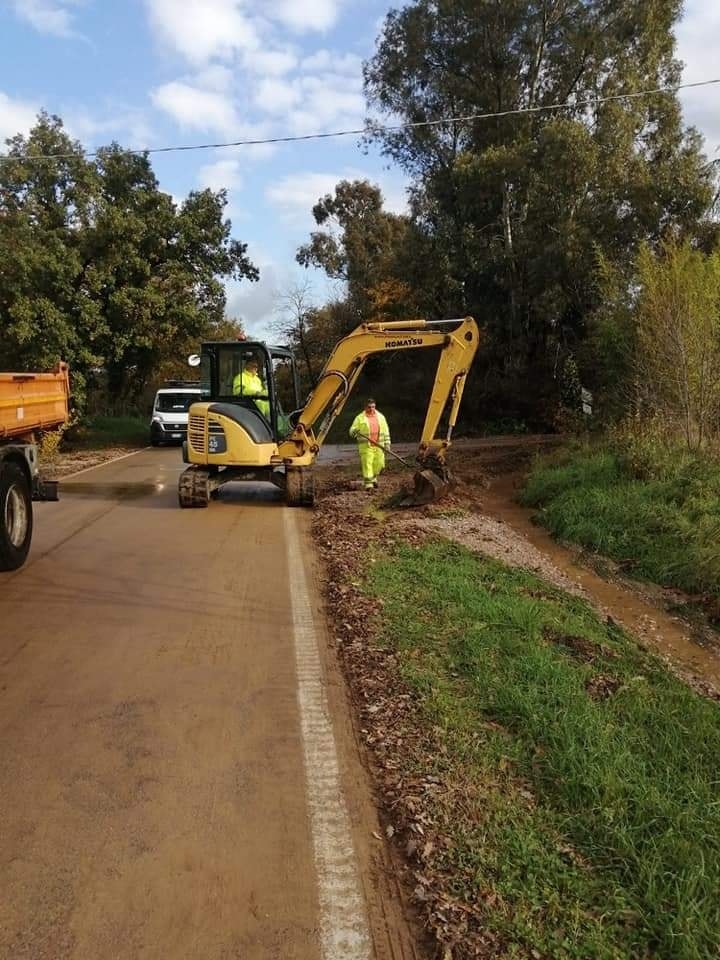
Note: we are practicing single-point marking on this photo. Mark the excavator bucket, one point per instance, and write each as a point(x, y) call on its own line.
point(430, 485)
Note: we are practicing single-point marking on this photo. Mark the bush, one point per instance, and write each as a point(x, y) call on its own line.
point(639, 500)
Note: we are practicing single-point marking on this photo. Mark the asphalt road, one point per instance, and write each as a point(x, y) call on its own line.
point(173, 783)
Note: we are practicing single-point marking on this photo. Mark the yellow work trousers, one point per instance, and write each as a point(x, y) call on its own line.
point(372, 463)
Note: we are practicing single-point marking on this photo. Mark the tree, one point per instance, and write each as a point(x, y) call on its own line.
point(361, 244)
point(174, 365)
point(296, 326)
point(516, 207)
point(105, 271)
point(44, 207)
point(677, 343)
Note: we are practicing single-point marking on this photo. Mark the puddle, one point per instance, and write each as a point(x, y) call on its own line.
point(668, 635)
point(111, 491)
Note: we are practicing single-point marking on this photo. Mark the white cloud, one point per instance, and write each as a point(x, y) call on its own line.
point(329, 101)
point(255, 303)
point(223, 174)
point(204, 30)
point(393, 185)
point(295, 195)
point(328, 61)
point(697, 35)
point(130, 126)
point(274, 95)
point(201, 30)
point(215, 77)
point(273, 63)
point(306, 16)
point(47, 16)
point(196, 109)
point(16, 116)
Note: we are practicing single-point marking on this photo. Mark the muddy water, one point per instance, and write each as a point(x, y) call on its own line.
point(109, 491)
point(669, 635)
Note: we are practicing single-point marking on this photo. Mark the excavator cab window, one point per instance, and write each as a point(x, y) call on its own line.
point(285, 391)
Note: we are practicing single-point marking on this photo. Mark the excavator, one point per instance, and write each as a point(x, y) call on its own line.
point(240, 430)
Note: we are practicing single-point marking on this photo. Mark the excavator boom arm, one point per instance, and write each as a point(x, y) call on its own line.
point(346, 362)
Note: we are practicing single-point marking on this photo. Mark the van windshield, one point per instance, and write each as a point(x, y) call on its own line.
point(175, 402)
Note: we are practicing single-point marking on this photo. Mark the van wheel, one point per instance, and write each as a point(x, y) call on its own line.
point(16, 517)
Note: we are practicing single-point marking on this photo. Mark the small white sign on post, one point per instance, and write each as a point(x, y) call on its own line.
point(586, 399)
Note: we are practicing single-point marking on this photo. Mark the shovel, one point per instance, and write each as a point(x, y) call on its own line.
point(431, 484)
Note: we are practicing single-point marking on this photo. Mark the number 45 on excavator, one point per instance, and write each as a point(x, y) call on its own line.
point(243, 428)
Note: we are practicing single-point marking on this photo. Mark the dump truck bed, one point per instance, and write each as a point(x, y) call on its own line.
point(30, 402)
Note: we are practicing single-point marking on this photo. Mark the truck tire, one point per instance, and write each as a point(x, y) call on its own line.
point(16, 518)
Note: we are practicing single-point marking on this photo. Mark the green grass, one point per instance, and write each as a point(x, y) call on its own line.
point(664, 527)
point(588, 823)
point(98, 432)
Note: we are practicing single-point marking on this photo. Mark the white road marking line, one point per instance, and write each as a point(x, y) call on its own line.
point(344, 931)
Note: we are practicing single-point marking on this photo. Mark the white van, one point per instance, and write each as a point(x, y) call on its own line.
point(170, 412)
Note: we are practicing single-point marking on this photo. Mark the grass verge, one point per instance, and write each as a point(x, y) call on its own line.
point(662, 525)
point(580, 802)
point(99, 432)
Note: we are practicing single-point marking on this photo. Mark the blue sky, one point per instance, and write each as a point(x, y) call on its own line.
point(156, 72)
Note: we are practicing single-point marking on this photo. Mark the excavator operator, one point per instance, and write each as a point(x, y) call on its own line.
point(249, 384)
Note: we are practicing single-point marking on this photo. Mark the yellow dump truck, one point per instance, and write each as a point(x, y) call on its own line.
point(30, 404)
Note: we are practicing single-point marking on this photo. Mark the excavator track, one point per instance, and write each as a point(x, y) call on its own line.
point(194, 488)
point(299, 487)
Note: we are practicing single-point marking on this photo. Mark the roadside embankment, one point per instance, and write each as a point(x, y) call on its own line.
point(549, 786)
point(658, 518)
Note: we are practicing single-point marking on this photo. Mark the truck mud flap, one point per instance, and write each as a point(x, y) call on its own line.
point(46, 490)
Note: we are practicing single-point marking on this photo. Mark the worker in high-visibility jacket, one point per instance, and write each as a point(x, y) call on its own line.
point(248, 384)
point(370, 430)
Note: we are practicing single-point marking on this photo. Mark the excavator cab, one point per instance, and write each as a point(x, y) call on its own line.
point(253, 377)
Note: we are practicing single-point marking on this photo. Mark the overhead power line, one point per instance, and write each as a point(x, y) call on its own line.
point(375, 128)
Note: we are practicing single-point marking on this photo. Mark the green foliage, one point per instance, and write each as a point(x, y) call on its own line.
point(589, 821)
point(360, 244)
point(514, 212)
point(104, 431)
point(677, 359)
point(101, 269)
point(606, 355)
point(653, 507)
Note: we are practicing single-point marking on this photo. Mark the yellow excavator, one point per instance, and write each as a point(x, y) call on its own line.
point(242, 428)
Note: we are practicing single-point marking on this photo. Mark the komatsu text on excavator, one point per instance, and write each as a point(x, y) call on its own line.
point(249, 424)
